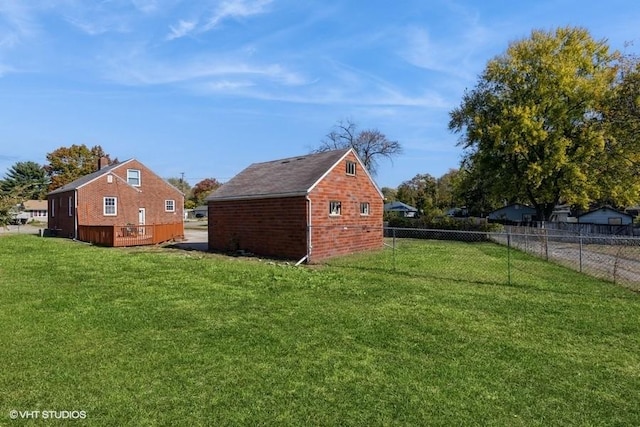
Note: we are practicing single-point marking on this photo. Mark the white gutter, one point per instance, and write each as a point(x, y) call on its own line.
point(75, 214)
point(307, 257)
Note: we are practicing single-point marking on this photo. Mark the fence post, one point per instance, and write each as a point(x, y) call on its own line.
point(394, 249)
point(509, 256)
point(580, 250)
point(546, 243)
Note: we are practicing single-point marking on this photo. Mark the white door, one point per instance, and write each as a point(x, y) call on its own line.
point(141, 220)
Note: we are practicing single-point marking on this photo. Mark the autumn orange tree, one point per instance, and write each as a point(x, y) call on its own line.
point(67, 164)
point(203, 188)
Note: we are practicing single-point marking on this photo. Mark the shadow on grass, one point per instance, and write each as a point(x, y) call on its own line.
point(417, 275)
point(190, 246)
point(515, 284)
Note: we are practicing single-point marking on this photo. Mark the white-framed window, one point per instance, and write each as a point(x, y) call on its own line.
point(351, 168)
point(335, 208)
point(170, 205)
point(109, 179)
point(70, 205)
point(110, 206)
point(53, 208)
point(364, 208)
point(133, 177)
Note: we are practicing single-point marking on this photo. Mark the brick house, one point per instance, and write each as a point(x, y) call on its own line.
point(122, 204)
point(305, 208)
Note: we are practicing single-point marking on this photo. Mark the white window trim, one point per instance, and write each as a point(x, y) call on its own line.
point(70, 206)
point(139, 177)
point(367, 210)
point(53, 208)
point(173, 205)
point(353, 164)
point(333, 204)
point(115, 206)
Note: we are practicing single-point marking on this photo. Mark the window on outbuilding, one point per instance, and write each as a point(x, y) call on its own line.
point(170, 205)
point(335, 208)
point(364, 208)
point(351, 168)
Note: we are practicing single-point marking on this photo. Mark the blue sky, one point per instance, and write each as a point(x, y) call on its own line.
point(206, 88)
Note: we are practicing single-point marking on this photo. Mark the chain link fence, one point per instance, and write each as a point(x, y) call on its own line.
point(612, 258)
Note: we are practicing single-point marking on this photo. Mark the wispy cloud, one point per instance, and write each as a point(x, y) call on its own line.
point(228, 9)
point(16, 23)
point(146, 6)
point(182, 29)
point(213, 72)
point(448, 57)
point(236, 9)
point(459, 52)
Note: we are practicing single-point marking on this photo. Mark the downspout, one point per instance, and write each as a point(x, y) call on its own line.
point(307, 257)
point(75, 214)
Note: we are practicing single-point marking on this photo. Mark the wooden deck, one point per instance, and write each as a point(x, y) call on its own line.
point(130, 235)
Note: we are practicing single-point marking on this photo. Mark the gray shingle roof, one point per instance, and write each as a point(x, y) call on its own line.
point(285, 177)
point(399, 207)
point(74, 185)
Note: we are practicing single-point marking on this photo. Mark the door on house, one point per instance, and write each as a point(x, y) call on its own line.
point(141, 220)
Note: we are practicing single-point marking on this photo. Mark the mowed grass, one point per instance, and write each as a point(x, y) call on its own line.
point(147, 337)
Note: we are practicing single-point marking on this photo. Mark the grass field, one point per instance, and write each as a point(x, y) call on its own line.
point(159, 337)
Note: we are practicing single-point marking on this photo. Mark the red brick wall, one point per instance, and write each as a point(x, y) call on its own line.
point(270, 227)
point(350, 232)
point(151, 195)
point(277, 227)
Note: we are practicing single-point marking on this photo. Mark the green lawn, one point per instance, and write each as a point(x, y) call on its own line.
point(158, 337)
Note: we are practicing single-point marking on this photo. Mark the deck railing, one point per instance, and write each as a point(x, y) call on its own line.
point(130, 235)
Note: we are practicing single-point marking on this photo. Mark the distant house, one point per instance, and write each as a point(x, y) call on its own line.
point(606, 215)
point(401, 209)
point(514, 213)
point(201, 211)
point(36, 210)
point(305, 208)
point(562, 213)
point(123, 204)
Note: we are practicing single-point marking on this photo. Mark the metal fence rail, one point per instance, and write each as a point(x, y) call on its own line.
point(612, 258)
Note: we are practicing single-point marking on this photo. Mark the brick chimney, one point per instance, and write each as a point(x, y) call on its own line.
point(103, 162)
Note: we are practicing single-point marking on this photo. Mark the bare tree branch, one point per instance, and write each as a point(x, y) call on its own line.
point(370, 144)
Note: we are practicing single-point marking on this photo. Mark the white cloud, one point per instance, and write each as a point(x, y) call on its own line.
point(135, 69)
point(145, 6)
point(228, 9)
point(182, 29)
point(17, 20)
point(236, 9)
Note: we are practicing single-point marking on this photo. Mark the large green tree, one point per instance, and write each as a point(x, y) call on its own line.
point(533, 126)
point(621, 116)
point(446, 195)
point(67, 164)
point(419, 192)
point(25, 180)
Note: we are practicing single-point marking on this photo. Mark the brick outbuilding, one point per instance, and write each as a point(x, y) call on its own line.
point(305, 208)
point(122, 204)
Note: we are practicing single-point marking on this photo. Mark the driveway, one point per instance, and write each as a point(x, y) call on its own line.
point(195, 240)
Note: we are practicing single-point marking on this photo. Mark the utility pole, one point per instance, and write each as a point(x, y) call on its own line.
point(181, 177)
